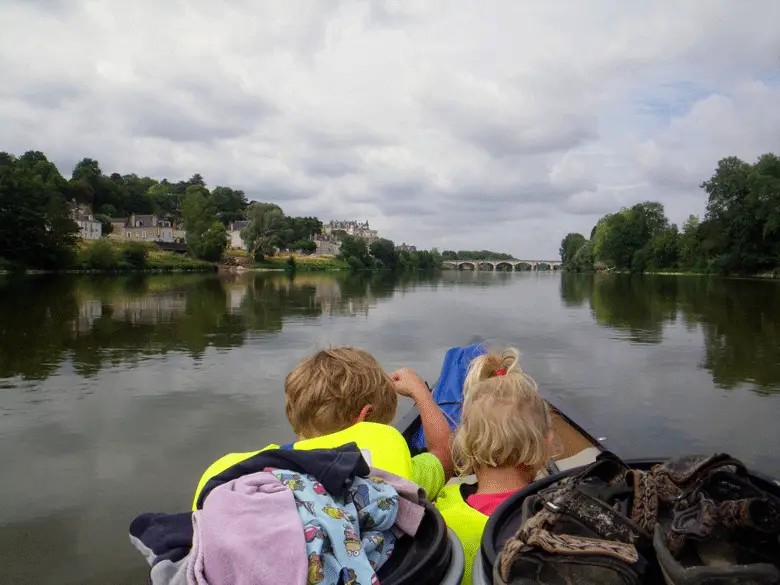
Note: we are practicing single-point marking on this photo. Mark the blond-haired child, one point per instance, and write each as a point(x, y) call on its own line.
point(342, 395)
point(504, 438)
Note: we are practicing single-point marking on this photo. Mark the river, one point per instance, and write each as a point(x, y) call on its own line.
point(117, 392)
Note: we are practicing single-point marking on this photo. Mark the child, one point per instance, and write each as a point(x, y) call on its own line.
point(342, 395)
point(504, 437)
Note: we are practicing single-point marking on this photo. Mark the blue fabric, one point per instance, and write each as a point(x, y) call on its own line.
point(347, 539)
point(448, 393)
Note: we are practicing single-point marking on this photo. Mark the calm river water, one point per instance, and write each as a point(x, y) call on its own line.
point(116, 393)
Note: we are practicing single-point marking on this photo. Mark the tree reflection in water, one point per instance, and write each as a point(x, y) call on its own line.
point(95, 321)
point(739, 318)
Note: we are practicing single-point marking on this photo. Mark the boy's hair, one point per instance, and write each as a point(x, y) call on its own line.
point(505, 422)
point(326, 392)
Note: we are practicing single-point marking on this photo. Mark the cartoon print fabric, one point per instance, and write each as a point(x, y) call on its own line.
point(347, 539)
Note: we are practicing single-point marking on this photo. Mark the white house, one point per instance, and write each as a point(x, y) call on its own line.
point(236, 241)
point(89, 227)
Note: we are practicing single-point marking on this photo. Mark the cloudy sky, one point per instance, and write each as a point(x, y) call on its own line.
point(494, 124)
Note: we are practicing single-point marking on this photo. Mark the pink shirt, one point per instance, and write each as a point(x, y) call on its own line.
point(486, 503)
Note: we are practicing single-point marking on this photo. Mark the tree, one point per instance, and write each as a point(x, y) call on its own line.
point(584, 258)
point(36, 228)
point(105, 222)
point(569, 247)
point(231, 204)
point(384, 251)
point(618, 237)
point(206, 235)
point(265, 221)
point(354, 252)
point(305, 246)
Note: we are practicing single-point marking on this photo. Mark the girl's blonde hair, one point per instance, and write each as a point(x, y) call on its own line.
point(505, 422)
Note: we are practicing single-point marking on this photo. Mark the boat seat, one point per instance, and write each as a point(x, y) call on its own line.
point(584, 457)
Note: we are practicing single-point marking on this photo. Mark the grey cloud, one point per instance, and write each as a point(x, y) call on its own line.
point(347, 137)
point(189, 114)
point(321, 166)
point(277, 192)
point(507, 140)
point(49, 94)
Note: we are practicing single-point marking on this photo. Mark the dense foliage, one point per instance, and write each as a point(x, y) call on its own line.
point(382, 254)
point(36, 230)
point(475, 255)
point(740, 233)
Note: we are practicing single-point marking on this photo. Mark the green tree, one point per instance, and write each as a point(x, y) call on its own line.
point(135, 254)
point(205, 238)
point(584, 258)
point(231, 204)
point(36, 229)
point(105, 222)
point(265, 222)
point(570, 245)
point(109, 211)
point(618, 237)
point(101, 255)
point(354, 252)
point(305, 246)
point(384, 251)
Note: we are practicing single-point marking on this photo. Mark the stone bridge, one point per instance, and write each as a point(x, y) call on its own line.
point(511, 265)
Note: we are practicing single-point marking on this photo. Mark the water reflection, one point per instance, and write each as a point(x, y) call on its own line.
point(106, 320)
point(739, 318)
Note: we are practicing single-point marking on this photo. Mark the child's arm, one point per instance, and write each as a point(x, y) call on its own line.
point(437, 431)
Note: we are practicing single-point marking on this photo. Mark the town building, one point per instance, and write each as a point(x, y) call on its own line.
point(89, 227)
point(234, 231)
point(141, 228)
point(351, 228)
point(406, 248)
point(327, 245)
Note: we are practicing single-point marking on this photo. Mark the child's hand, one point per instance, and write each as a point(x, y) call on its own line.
point(408, 383)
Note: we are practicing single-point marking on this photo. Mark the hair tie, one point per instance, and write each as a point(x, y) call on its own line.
point(499, 373)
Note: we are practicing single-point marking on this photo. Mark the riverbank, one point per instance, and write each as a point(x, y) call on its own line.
point(769, 275)
point(238, 259)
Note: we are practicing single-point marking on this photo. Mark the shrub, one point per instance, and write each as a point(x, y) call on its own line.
point(101, 255)
point(135, 254)
point(289, 264)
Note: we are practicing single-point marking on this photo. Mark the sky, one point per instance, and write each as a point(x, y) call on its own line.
point(457, 124)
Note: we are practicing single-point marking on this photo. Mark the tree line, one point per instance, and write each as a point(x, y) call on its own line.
point(37, 230)
point(475, 255)
point(382, 254)
point(740, 232)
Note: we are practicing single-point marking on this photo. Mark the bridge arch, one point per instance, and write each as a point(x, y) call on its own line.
point(500, 265)
point(472, 265)
point(487, 265)
point(544, 266)
point(523, 266)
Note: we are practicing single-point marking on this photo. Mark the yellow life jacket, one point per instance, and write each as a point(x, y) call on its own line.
point(467, 523)
point(382, 444)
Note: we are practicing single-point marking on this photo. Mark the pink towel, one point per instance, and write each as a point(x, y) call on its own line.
point(251, 534)
point(410, 500)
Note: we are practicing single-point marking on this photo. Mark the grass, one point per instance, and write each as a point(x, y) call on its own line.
point(303, 263)
point(106, 255)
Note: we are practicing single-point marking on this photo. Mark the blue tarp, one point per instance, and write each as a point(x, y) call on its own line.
point(448, 393)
